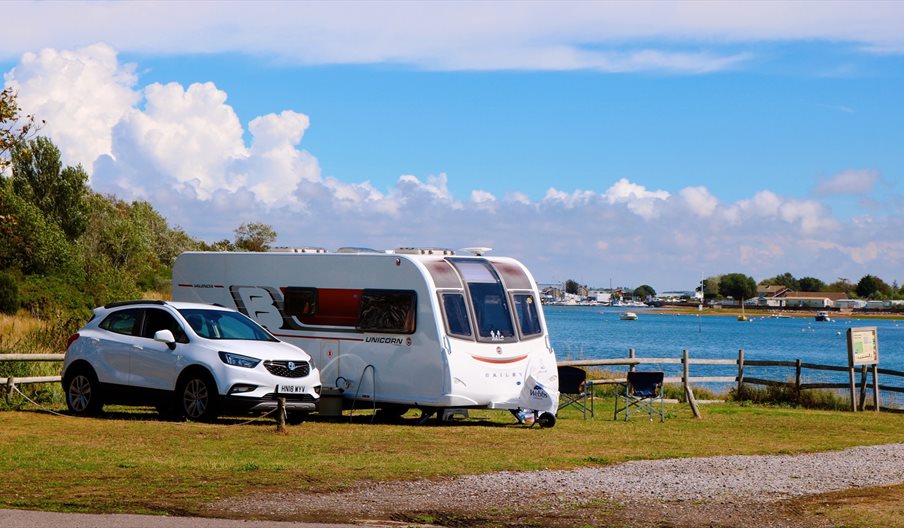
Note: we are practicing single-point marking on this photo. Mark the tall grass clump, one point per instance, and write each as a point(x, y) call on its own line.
point(24, 334)
point(824, 399)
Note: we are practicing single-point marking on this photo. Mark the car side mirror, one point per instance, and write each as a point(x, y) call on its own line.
point(165, 336)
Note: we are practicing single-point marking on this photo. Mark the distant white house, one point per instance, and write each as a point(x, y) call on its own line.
point(600, 296)
point(855, 304)
point(795, 299)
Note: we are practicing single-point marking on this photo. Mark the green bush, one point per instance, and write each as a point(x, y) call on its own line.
point(52, 297)
point(9, 294)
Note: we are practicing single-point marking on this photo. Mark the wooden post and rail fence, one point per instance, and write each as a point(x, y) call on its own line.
point(8, 383)
point(739, 378)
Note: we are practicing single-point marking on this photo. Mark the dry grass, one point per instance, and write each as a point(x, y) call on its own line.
point(130, 461)
point(15, 329)
point(860, 508)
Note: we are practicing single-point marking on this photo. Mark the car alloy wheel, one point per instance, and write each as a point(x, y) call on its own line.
point(80, 394)
point(195, 399)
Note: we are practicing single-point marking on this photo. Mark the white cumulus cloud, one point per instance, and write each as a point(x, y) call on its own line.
point(854, 181)
point(184, 150)
point(81, 94)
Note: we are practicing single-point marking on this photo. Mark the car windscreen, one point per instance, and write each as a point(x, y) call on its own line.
point(219, 324)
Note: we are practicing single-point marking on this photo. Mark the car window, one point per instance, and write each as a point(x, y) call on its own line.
point(156, 320)
point(220, 324)
point(125, 322)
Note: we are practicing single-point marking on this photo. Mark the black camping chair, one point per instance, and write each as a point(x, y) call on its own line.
point(641, 393)
point(574, 389)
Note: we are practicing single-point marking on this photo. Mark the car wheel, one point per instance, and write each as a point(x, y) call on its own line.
point(198, 398)
point(83, 393)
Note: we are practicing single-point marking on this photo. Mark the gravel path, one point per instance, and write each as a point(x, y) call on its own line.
point(725, 485)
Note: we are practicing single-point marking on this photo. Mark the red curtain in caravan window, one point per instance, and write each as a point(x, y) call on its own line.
point(335, 307)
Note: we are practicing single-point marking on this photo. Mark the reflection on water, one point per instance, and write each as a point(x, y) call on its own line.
point(595, 332)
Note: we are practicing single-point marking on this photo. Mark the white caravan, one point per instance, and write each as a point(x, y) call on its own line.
point(421, 328)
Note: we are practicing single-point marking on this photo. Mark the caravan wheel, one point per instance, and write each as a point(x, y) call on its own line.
point(390, 413)
point(547, 419)
point(426, 414)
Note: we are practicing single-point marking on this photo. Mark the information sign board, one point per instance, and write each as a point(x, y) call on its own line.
point(863, 346)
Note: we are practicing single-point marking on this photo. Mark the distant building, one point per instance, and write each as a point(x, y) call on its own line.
point(787, 298)
point(855, 304)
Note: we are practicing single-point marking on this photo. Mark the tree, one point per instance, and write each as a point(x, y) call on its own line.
point(644, 291)
point(841, 285)
point(254, 236)
point(811, 284)
point(15, 129)
point(39, 178)
point(737, 286)
point(785, 279)
point(871, 286)
point(711, 287)
point(571, 286)
point(28, 241)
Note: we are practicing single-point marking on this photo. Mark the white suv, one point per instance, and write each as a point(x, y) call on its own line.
point(192, 360)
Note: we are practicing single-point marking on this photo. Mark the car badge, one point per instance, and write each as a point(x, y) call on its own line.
point(291, 365)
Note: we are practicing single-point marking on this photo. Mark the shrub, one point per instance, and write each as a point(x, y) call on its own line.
point(9, 294)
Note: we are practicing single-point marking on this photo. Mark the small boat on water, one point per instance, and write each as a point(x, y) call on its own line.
point(628, 316)
point(823, 316)
point(743, 316)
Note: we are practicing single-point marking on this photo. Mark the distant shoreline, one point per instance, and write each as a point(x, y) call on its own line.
point(750, 312)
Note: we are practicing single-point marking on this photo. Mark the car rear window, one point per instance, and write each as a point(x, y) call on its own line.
point(125, 322)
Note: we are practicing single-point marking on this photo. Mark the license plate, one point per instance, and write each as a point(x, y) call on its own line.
point(291, 389)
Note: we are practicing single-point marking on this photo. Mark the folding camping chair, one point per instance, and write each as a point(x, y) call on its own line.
point(574, 389)
point(641, 393)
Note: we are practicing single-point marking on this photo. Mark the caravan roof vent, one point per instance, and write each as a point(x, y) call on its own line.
point(477, 251)
point(424, 251)
point(283, 249)
point(358, 250)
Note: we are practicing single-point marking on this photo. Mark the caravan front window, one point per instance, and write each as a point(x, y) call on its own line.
point(457, 322)
point(488, 299)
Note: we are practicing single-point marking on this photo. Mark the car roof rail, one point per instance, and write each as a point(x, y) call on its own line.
point(129, 303)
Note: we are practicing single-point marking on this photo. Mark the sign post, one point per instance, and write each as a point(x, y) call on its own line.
point(863, 349)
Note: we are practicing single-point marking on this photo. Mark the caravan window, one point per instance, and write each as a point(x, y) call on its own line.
point(528, 318)
point(387, 311)
point(491, 310)
point(457, 322)
point(300, 302)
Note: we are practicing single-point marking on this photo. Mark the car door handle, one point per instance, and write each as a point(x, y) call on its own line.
point(136, 347)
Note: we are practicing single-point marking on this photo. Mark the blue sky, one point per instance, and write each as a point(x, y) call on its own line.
point(648, 143)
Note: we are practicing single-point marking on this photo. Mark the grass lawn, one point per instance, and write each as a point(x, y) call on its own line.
point(129, 461)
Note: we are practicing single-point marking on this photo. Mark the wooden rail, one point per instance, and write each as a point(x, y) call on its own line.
point(740, 379)
point(8, 384)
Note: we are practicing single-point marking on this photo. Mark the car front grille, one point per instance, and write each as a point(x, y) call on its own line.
point(283, 370)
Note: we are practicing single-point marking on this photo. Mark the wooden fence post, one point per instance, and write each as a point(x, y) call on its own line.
point(876, 386)
point(797, 381)
point(280, 415)
point(632, 366)
point(688, 392)
point(853, 389)
point(863, 388)
point(740, 373)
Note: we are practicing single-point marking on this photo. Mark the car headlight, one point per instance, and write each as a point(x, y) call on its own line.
point(238, 360)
